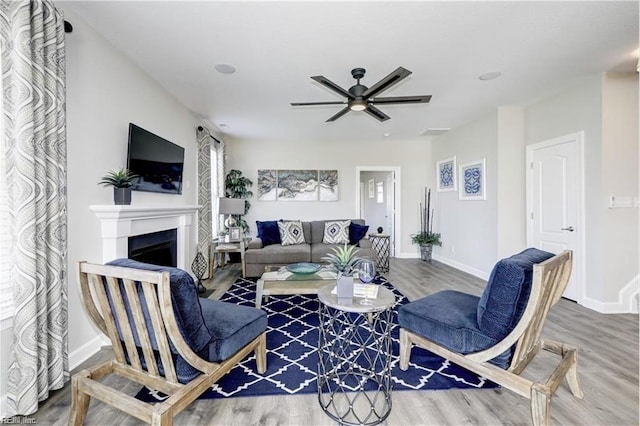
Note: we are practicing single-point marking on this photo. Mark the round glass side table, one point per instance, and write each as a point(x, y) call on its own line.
point(354, 350)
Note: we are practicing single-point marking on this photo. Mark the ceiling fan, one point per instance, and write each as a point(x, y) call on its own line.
point(361, 98)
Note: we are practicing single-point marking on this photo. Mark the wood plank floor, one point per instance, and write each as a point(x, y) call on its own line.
point(607, 366)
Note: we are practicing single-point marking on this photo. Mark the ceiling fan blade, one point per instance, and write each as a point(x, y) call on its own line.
point(318, 103)
point(419, 99)
point(340, 113)
point(396, 76)
point(331, 85)
point(376, 113)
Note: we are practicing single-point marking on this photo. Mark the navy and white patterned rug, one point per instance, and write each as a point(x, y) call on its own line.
point(292, 359)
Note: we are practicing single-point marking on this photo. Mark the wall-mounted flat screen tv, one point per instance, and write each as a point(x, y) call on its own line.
point(157, 162)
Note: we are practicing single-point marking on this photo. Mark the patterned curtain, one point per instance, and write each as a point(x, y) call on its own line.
point(34, 123)
point(208, 188)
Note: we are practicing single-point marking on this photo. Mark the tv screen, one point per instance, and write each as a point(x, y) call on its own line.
point(156, 161)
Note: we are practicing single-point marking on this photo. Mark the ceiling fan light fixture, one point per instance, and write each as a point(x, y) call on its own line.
point(358, 105)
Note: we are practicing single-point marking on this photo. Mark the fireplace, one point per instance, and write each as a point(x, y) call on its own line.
point(158, 248)
point(119, 223)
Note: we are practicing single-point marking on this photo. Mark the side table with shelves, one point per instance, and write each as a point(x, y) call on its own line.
point(219, 249)
point(382, 245)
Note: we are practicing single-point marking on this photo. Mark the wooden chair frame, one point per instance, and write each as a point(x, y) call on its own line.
point(157, 294)
point(550, 279)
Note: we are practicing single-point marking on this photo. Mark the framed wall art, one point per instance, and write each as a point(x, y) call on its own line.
point(473, 181)
point(446, 175)
point(371, 188)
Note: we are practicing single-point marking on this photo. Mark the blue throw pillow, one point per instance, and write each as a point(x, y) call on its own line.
point(357, 232)
point(268, 232)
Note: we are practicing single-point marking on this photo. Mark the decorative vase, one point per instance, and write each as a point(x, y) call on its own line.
point(122, 196)
point(344, 286)
point(425, 252)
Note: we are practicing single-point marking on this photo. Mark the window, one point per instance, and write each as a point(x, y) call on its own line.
point(379, 192)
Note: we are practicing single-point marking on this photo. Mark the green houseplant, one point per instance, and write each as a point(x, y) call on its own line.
point(237, 186)
point(345, 262)
point(121, 180)
point(426, 238)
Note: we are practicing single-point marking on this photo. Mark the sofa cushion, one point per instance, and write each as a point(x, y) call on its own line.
point(449, 319)
point(278, 254)
point(507, 293)
point(231, 326)
point(336, 232)
point(268, 232)
point(357, 232)
point(291, 232)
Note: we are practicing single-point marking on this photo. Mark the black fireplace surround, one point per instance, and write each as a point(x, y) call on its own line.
point(158, 248)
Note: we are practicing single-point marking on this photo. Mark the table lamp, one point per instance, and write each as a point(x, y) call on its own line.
point(230, 207)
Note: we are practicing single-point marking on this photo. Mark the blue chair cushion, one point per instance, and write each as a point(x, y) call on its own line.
point(449, 319)
point(507, 293)
point(232, 327)
point(212, 329)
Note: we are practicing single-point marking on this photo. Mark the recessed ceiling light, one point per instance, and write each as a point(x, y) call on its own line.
point(386, 135)
point(225, 68)
point(490, 75)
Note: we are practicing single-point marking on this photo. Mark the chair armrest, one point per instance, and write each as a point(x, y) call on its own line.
point(365, 243)
point(255, 243)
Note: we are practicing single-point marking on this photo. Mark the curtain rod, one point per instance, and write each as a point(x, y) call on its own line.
point(200, 129)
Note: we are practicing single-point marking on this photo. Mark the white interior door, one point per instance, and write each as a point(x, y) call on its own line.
point(554, 186)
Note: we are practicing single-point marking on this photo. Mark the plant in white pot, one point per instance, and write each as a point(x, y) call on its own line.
point(344, 262)
point(426, 238)
point(121, 180)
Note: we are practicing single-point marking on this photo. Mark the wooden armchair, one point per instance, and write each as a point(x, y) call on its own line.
point(494, 337)
point(163, 336)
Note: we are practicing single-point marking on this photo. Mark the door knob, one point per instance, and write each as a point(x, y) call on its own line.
point(569, 228)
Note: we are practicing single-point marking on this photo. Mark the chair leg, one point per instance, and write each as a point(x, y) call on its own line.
point(405, 349)
point(261, 354)
point(79, 400)
point(572, 374)
point(540, 405)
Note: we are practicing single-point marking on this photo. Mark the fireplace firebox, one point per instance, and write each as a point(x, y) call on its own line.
point(158, 248)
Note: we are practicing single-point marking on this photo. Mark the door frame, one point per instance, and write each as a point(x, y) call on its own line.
point(579, 265)
point(396, 199)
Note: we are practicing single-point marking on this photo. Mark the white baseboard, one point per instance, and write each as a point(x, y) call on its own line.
point(85, 351)
point(462, 267)
point(627, 303)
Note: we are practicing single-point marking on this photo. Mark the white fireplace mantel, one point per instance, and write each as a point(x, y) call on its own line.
point(118, 223)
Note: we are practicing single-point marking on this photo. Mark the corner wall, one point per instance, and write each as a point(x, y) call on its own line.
point(105, 92)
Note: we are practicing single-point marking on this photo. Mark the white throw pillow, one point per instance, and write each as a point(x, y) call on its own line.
point(336, 232)
point(291, 232)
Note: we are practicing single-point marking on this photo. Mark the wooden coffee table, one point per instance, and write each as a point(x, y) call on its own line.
point(278, 281)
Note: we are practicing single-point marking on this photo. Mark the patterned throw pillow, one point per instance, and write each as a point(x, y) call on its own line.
point(291, 232)
point(336, 232)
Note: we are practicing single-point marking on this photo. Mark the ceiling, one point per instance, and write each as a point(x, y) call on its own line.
point(539, 47)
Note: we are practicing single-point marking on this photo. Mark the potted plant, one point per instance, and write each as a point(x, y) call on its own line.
point(345, 262)
point(122, 180)
point(426, 238)
point(237, 186)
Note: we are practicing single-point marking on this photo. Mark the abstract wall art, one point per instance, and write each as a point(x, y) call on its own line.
point(297, 185)
point(473, 181)
point(446, 175)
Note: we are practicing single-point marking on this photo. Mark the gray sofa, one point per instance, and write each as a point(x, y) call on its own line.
point(257, 256)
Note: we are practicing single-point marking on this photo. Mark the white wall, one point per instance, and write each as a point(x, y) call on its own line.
point(606, 109)
point(104, 93)
point(468, 228)
point(412, 156)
